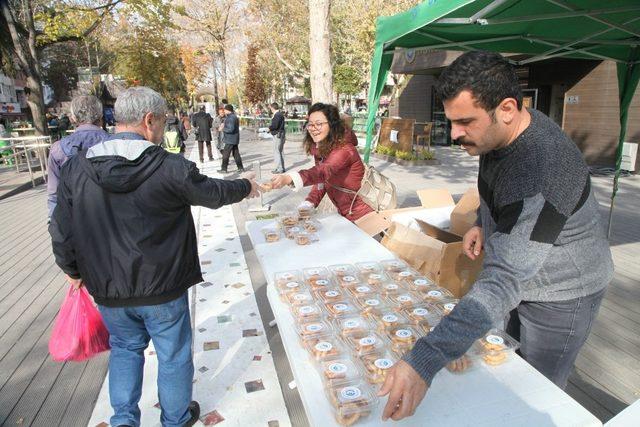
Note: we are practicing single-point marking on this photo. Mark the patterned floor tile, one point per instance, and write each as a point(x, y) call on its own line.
point(253, 386)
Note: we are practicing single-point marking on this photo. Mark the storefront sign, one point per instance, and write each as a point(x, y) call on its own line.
point(9, 108)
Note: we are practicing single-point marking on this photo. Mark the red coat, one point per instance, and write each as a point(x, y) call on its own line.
point(343, 168)
point(350, 137)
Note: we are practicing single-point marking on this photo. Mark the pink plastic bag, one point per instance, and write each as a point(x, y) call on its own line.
point(79, 332)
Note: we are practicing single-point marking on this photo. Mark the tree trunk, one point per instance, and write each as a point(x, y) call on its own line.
point(224, 73)
point(320, 51)
point(35, 99)
point(216, 97)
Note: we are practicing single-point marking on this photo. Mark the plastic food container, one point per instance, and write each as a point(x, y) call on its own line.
point(406, 275)
point(311, 225)
point(341, 308)
point(436, 295)
point(365, 342)
point(421, 284)
point(375, 279)
point(304, 238)
point(306, 313)
point(352, 325)
point(305, 212)
point(391, 288)
point(338, 371)
point(302, 297)
point(289, 219)
point(462, 365)
point(403, 338)
point(284, 277)
point(325, 348)
point(291, 231)
point(313, 330)
point(495, 347)
point(361, 291)
point(290, 288)
point(348, 281)
point(447, 306)
point(317, 278)
point(271, 234)
point(352, 402)
point(404, 300)
point(265, 186)
point(371, 305)
point(376, 365)
point(423, 317)
point(369, 267)
point(341, 270)
point(331, 295)
point(394, 265)
point(388, 319)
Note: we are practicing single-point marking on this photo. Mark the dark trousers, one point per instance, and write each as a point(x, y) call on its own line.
point(226, 152)
point(278, 156)
point(201, 149)
point(552, 333)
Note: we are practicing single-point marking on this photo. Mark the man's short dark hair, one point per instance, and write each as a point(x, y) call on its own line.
point(229, 108)
point(275, 106)
point(202, 108)
point(487, 75)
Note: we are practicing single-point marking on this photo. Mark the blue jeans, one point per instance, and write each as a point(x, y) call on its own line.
point(551, 334)
point(131, 328)
point(278, 147)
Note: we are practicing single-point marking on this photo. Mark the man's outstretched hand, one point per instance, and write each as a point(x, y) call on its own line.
point(405, 388)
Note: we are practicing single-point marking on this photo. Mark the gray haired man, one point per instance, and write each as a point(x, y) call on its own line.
point(86, 114)
point(123, 228)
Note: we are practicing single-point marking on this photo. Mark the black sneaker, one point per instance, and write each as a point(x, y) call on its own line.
point(194, 410)
point(221, 171)
point(240, 170)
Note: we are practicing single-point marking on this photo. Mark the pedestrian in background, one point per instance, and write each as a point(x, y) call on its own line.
point(231, 137)
point(203, 122)
point(278, 134)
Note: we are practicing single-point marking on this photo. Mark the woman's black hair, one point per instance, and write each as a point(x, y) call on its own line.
point(336, 129)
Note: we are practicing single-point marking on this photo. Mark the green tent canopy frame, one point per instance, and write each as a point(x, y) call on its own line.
point(539, 29)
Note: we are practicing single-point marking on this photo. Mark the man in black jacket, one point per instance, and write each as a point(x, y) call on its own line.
point(231, 137)
point(203, 121)
point(123, 228)
point(277, 130)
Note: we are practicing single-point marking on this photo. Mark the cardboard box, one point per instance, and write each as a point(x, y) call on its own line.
point(435, 252)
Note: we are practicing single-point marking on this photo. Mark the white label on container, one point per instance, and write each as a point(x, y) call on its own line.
point(405, 274)
point(495, 339)
point(368, 266)
point(338, 368)
point(322, 282)
point(420, 311)
point(449, 306)
point(404, 298)
point(383, 363)
point(315, 327)
point(403, 333)
point(420, 282)
point(372, 302)
point(287, 276)
point(313, 272)
point(395, 264)
point(435, 294)
point(367, 341)
point(340, 307)
point(350, 324)
point(363, 289)
point(375, 276)
point(332, 294)
point(324, 346)
point(292, 285)
point(301, 297)
point(350, 393)
point(391, 287)
point(294, 230)
point(389, 318)
point(349, 279)
point(308, 309)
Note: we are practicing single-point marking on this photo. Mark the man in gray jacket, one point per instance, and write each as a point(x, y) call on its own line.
point(547, 261)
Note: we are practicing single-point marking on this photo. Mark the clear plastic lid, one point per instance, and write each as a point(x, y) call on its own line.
point(388, 319)
point(305, 212)
point(326, 348)
point(348, 281)
point(341, 308)
point(375, 366)
point(304, 238)
point(365, 342)
point(388, 289)
point(436, 294)
point(375, 279)
point(394, 265)
point(290, 232)
point(347, 326)
point(305, 313)
point(494, 347)
point(311, 225)
point(289, 219)
point(423, 316)
point(421, 284)
point(340, 270)
point(406, 275)
point(284, 277)
point(402, 338)
point(369, 267)
point(271, 234)
point(331, 294)
point(318, 278)
point(313, 329)
point(289, 288)
point(447, 305)
point(303, 297)
point(352, 401)
point(361, 291)
point(404, 300)
point(321, 284)
point(338, 371)
point(371, 305)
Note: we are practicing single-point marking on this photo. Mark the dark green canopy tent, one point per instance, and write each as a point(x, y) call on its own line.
point(539, 29)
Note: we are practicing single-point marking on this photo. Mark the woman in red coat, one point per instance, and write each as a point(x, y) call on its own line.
point(338, 166)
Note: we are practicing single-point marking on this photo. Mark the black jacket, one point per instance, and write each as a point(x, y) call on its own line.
point(277, 124)
point(203, 121)
point(123, 221)
point(231, 130)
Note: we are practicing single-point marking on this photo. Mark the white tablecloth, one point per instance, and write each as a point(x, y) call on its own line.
point(512, 394)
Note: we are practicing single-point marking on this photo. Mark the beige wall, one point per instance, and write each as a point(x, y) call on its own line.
point(593, 123)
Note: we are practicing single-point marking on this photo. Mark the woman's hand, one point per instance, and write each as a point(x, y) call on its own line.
point(280, 180)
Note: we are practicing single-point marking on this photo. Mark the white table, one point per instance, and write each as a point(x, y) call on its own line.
point(512, 394)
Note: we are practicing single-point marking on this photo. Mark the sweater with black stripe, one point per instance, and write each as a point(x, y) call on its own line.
point(543, 240)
